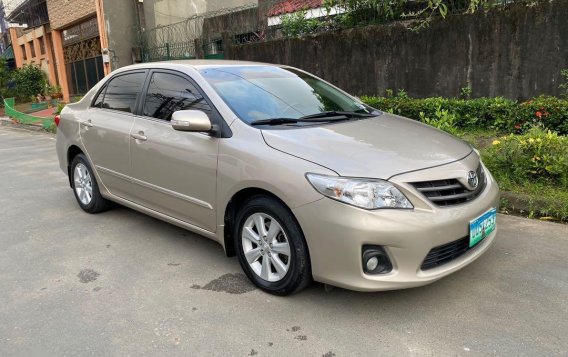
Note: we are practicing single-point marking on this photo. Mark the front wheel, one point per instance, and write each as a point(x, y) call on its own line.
point(271, 247)
point(85, 186)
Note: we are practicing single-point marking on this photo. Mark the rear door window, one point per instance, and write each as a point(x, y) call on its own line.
point(121, 92)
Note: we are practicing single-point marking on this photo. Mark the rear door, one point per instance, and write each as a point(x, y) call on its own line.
point(106, 131)
point(174, 172)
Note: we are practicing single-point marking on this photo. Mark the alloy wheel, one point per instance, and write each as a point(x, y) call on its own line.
point(83, 184)
point(266, 247)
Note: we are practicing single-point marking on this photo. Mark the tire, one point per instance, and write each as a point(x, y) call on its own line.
point(271, 269)
point(85, 186)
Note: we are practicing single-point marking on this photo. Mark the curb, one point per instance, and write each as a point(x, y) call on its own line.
point(5, 121)
point(525, 206)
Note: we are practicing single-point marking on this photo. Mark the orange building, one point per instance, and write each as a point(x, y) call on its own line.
point(65, 39)
point(32, 43)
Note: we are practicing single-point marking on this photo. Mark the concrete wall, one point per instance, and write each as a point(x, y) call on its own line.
point(167, 12)
point(516, 52)
point(121, 31)
point(233, 23)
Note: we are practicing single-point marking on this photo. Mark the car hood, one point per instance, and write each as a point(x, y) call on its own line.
point(379, 147)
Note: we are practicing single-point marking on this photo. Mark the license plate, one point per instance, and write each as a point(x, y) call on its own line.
point(482, 226)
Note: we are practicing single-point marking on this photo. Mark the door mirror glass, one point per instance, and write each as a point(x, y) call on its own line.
point(190, 120)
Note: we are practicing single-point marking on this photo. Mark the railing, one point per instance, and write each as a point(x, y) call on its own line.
point(23, 118)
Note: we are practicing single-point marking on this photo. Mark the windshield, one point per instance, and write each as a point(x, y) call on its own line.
point(264, 92)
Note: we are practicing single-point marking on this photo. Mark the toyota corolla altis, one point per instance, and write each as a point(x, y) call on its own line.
point(298, 179)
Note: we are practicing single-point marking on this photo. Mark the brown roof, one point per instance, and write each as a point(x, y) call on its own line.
point(289, 6)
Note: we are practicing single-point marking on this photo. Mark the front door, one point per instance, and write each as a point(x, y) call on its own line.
point(105, 132)
point(174, 172)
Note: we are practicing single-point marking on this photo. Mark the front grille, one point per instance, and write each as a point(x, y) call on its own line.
point(450, 192)
point(445, 253)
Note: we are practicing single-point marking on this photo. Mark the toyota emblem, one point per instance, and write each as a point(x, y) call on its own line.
point(472, 179)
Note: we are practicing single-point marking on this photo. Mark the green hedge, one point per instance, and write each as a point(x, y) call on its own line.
point(498, 113)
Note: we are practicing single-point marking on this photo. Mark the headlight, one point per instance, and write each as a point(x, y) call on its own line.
point(364, 193)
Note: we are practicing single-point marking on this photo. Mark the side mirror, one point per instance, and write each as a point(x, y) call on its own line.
point(190, 120)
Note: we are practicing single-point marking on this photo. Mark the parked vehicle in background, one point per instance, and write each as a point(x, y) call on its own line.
point(297, 178)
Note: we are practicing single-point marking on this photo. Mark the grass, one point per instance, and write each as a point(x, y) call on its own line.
point(479, 138)
point(534, 200)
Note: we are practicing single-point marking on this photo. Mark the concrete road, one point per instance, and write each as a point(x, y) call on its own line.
point(121, 283)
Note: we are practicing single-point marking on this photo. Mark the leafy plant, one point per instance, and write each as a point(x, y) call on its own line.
point(544, 111)
point(54, 91)
point(364, 12)
point(497, 113)
point(296, 24)
point(465, 92)
point(443, 120)
point(564, 86)
point(537, 156)
point(30, 81)
point(5, 78)
point(59, 108)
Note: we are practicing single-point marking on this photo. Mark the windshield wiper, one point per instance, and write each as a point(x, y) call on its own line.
point(318, 117)
point(274, 121)
point(280, 121)
point(334, 113)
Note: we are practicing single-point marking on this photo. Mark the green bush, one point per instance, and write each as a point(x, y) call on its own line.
point(564, 85)
point(544, 111)
point(443, 120)
point(497, 113)
point(537, 156)
point(59, 108)
point(296, 24)
point(30, 81)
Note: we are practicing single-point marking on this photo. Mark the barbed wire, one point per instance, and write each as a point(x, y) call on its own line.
point(270, 19)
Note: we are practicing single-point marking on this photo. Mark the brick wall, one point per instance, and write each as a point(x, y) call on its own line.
point(63, 13)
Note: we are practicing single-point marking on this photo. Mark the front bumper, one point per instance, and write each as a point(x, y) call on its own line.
point(336, 232)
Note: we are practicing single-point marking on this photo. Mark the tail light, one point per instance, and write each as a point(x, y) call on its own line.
point(56, 120)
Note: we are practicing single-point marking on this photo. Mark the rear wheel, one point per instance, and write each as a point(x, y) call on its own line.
point(271, 247)
point(85, 186)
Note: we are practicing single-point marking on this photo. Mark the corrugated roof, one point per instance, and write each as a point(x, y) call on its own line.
point(8, 53)
point(290, 6)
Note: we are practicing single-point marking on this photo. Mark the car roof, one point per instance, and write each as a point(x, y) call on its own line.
point(198, 64)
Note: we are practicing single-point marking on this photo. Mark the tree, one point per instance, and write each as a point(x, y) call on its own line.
point(5, 77)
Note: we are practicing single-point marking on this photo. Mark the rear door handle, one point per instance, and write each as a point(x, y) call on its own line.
point(139, 136)
point(87, 123)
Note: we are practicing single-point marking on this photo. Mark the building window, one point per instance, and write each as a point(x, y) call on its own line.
point(24, 55)
point(42, 45)
point(32, 48)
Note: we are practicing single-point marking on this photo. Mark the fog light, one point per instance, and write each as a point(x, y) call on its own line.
point(376, 260)
point(372, 263)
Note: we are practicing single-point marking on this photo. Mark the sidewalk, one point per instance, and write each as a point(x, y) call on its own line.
point(46, 113)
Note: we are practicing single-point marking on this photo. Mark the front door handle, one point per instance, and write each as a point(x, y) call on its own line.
point(87, 123)
point(140, 136)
